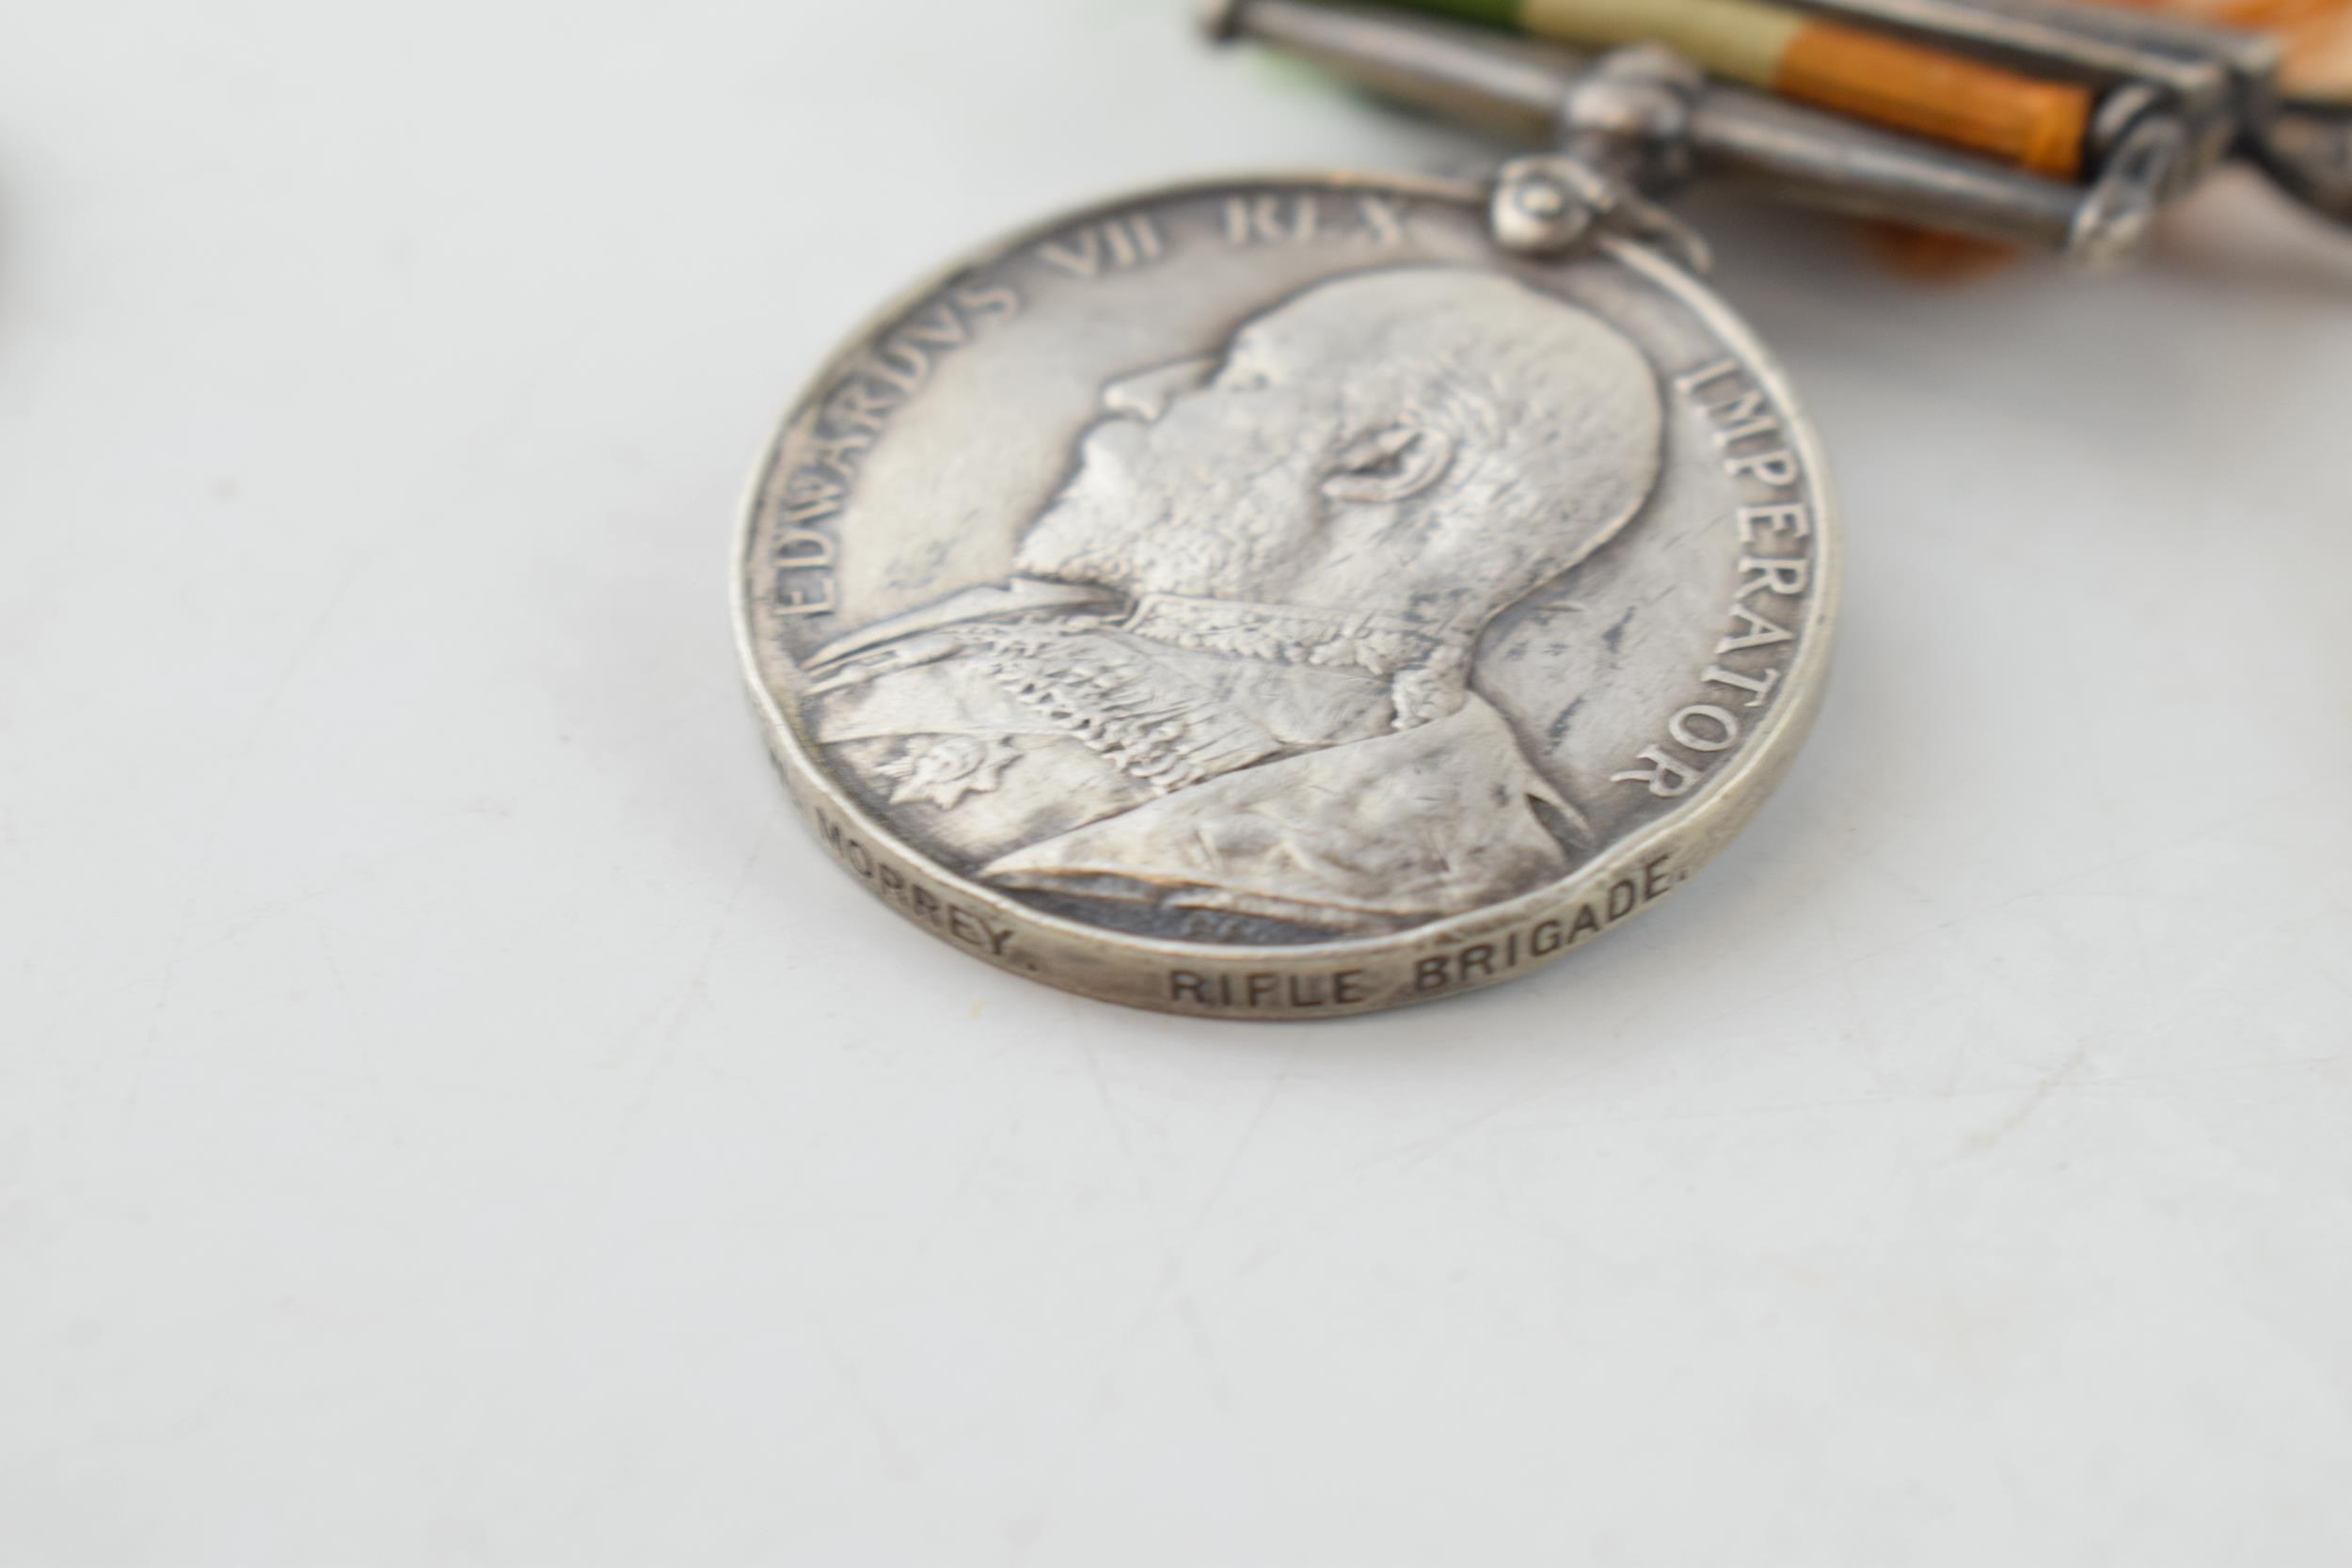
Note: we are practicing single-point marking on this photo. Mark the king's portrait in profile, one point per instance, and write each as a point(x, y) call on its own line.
point(1229, 675)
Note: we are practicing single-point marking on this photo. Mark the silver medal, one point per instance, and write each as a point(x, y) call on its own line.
point(1278, 598)
point(1297, 597)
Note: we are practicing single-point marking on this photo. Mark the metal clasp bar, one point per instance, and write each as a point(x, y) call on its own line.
point(2174, 100)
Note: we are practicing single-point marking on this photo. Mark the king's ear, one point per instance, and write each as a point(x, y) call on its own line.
point(1390, 466)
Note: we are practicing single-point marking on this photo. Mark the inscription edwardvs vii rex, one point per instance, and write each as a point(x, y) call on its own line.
point(1274, 600)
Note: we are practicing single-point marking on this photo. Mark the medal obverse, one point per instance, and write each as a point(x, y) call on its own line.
point(1271, 598)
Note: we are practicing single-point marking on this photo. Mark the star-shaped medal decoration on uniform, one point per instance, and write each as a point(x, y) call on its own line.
point(941, 771)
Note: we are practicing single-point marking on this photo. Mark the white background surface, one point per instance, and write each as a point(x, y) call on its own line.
point(449, 1112)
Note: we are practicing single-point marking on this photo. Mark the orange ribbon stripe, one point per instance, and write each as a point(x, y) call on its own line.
point(2022, 121)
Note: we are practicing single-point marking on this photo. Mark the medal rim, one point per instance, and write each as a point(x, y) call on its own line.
point(1719, 810)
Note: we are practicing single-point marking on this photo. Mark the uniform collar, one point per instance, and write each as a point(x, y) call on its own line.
point(1380, 646)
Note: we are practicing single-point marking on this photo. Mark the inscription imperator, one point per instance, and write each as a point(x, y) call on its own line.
point(1231, 670)
point(1348, 661)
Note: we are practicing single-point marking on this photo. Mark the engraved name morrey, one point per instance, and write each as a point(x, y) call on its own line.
point(1402, 611)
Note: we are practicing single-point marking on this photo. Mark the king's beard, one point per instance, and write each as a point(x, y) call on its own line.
point(1139, 540)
